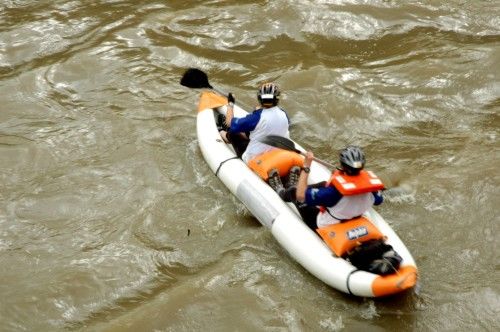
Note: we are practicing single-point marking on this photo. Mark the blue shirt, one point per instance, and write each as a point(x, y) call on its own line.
point(249, 122)
point(258, 125)
point(329, 196)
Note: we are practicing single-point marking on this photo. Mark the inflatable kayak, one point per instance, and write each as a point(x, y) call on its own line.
point(283, 219)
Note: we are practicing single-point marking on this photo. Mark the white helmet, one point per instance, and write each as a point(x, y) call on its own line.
point(268, 94)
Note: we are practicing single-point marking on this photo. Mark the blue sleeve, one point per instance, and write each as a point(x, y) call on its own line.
point(287, 117)
point(248, 123)
point(378, 197)
point(327, 196)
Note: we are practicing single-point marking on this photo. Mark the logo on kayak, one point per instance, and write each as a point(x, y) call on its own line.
point(357, 232)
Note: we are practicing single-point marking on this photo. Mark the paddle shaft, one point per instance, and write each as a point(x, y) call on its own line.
point(319, 161)
point(222, 93)
point(287, 144)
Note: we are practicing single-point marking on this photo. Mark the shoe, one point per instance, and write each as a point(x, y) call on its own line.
point(275, 182)
point(293, 177)
point(221, 122)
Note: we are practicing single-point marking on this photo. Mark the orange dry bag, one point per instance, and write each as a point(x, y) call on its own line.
point(343, 237)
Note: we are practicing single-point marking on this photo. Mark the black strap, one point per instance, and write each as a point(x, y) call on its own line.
point(222, 163)
point(348, 278)
point(341, 220)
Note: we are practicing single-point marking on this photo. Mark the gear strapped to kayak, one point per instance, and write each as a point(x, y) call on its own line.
point(343, 237)
point(374, 256)
point(359, 241)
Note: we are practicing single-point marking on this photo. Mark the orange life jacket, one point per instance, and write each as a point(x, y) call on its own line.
point(343, 237)
point(364, 182)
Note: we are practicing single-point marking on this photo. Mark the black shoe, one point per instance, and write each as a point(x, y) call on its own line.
point(221, 122)
point(275, 182)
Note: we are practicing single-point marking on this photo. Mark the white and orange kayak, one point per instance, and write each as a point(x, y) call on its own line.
point(283, 219)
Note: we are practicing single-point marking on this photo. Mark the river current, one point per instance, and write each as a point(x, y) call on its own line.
point(110, 219)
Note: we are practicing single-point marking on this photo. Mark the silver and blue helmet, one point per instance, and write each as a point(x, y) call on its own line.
point(352, 160)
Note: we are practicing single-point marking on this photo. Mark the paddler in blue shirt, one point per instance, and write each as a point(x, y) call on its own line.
point(245, 133)
point(269, 119)
point(349, 193)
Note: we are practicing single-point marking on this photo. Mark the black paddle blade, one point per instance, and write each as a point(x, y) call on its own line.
point(195, 78)
point(279, 142)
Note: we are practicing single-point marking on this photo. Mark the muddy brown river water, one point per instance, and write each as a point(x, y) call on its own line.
point(110, 220)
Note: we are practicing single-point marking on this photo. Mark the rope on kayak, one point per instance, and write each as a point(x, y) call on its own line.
point(347, 280)
point(220, 165)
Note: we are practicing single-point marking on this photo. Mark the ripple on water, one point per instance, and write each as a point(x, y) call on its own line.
point(111, 219)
